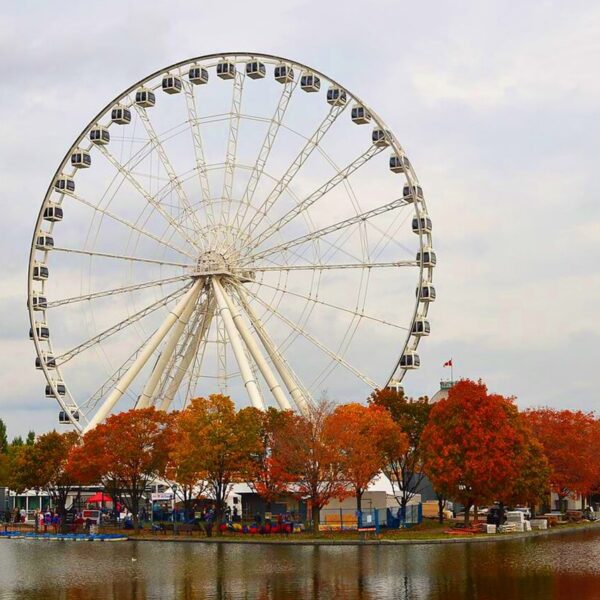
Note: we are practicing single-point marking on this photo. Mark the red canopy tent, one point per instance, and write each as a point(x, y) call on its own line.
point(99, 498)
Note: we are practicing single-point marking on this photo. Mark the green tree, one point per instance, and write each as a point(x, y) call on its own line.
point(3, 438)
point(30, 439)
point(17, 441)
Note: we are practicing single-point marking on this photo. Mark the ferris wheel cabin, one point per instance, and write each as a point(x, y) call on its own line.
point(399, 164)
point(99, 135)
point(38, 301)
point(226, 69)
point(336, 96)
point(412, 192)
point(63, 417)
point(120, 115)
point(47, 359)
point(171, 84)
point(53, 212)
point(380, 137)
point(421, 327)
point(284, 74)
point(310, 83)
point(61, 389)
point(427, 258)
point(360, 115)
point(255, 70)
point(410, 360)
point(145, 98)
point(426, 293)
point(64, 184)
point(41, 329)
point(198, 75)
point(81, 159)
point(421, 224)
point(40, 271)
point(44, 241)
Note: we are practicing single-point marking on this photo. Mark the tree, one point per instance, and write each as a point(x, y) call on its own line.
point(305, 451)
point(223, 442)
point(17, 441)
point(44, 465)
point(404, 466)
point(30, 439)
point(568, 438)
point(363, 435)
point(130, 449)
point(265, 475)
point(3, 438)
point(474, 445)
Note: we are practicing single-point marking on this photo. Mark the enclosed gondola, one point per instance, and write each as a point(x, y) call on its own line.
point(41, 329)
point(61, 389)
point(197, 75)
point(310, 83)
point(412, 192)
point(63, 417)
point(336, 96)
point(53, 212)
point(360, 115)
point(421, 224)
point(226, 69)
point(38, 301)
point(380, 137)
point(284, 73)
point(426, 292)
point(427, 257)
point(171, 84)
point(410, 360)
point(44, 241)
point(255, 69)
point(48, 360)
point(99, 135)
point(399, 164)
point(421, 327)
point(81, 159)
point(40, 271)
point(145, 98)
point(120, 115)
point(64, 184)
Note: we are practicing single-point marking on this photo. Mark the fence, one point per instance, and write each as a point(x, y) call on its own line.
point(337, 519)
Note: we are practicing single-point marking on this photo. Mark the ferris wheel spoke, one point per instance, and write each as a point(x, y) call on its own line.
point(314, 341)
point(148, 197)
point(186, 208)
point(325, 267)
point(319, 233)
point(116, 291)
point(190, 99)
point(338, 178)
point(67, 356)
point(356, 313)
point(121, 257)
point(232, 141)
point(292, 171)
point(129, 224)
point(291, 381)
point(265, 151)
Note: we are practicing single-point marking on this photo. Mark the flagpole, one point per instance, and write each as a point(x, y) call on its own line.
point(452, 370)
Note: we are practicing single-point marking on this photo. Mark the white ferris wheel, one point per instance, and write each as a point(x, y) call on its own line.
point(238, 223)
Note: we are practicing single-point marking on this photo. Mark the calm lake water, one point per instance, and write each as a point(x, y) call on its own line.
point(557, 567)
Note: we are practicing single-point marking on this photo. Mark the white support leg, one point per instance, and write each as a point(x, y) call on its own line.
point(189, 355)
point(143, 356)
point(148, 393)
point(257, 355)
point(236, 345)
point(276, 358)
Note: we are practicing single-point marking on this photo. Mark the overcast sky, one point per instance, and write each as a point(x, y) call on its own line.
point(496, 103)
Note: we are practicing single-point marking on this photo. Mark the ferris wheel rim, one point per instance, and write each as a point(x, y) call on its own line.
point(419, 308)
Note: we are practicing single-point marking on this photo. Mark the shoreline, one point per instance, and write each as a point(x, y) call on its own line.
point(483, 538)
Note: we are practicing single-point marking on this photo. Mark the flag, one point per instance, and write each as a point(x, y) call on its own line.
point(448, 363)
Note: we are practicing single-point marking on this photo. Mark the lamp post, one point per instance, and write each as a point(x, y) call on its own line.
point(174, 488)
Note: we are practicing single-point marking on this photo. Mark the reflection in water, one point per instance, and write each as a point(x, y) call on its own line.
point(549, 568)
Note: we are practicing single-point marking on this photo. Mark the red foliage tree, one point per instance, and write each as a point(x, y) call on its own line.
point(364, 436)
point(304, 450)
point(569, 441)
point(130, 449)
point(474, 445)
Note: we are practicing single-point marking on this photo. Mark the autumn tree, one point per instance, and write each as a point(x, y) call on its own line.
point(3, 438)
point(364, 436)
point(404, 464)
point(44, 466)
point(263, 474)
point(474, 446)
point(130, 448)
point(223, 443)
point(305, 451)
point(568, 438)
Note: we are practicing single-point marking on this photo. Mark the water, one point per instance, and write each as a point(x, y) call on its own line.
point(556, 567)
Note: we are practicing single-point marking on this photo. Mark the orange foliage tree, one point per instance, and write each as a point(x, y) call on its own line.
point(569, 441)
point(474, 445)
point(404, 462)
point(305, 451)
point(364, 436)
point(44, 465)
point(130, 449)
point(264, 474)
point(222, 443)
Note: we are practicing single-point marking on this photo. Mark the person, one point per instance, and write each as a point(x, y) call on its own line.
point(23, 514)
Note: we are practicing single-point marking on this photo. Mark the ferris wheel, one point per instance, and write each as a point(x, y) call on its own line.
point(239, 223)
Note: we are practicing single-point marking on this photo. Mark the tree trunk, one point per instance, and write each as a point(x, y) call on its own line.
point(467, 513)
point(316, 515)
point(441, 503)
point(475, 514)
point(359, 495)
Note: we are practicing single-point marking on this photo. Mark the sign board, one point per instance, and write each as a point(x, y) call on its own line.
point(158, 496)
